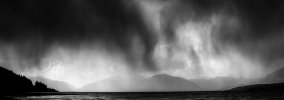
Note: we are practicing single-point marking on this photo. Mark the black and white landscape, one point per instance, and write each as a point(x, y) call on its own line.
point(127, 49)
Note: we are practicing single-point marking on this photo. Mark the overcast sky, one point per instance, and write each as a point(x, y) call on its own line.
point(84, 41)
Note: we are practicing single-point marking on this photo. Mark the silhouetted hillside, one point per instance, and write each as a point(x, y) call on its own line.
point(276, 87)
point(11, 82)
point(58, 85)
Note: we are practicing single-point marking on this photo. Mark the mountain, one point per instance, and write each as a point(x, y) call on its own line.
point(218, 83)
point(58, 85)
point(170, 83)
point(160, 82)
point(274, 77)
point(272, 82)
point(116, 84)
point(11, 83)
point(275, 87)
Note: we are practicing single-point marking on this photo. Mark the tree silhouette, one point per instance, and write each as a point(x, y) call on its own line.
point(11, 82)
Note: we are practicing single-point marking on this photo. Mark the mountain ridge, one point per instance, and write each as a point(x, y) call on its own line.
point(274, 87)
point(160, 82)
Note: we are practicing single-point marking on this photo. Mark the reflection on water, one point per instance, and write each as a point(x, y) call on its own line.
point(152, 96)
point(68, 97)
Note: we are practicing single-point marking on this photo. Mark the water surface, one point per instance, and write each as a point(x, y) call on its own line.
point(151, 96)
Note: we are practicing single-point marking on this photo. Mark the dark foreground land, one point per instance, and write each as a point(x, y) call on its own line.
point(213, 95)
point(12, 82)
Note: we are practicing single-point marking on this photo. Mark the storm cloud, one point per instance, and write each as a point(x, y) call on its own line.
point(186, 38)
point(32, 27)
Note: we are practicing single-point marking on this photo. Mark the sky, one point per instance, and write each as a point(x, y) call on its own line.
point(84, 41)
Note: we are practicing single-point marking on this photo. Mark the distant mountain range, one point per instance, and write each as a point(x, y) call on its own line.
point(160, 82)
point(164, 82)
point(13, 83)
point(218, 83)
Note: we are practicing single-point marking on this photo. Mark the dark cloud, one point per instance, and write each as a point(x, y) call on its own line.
point(262, 32)
point(32, 26)
point(263, 16)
